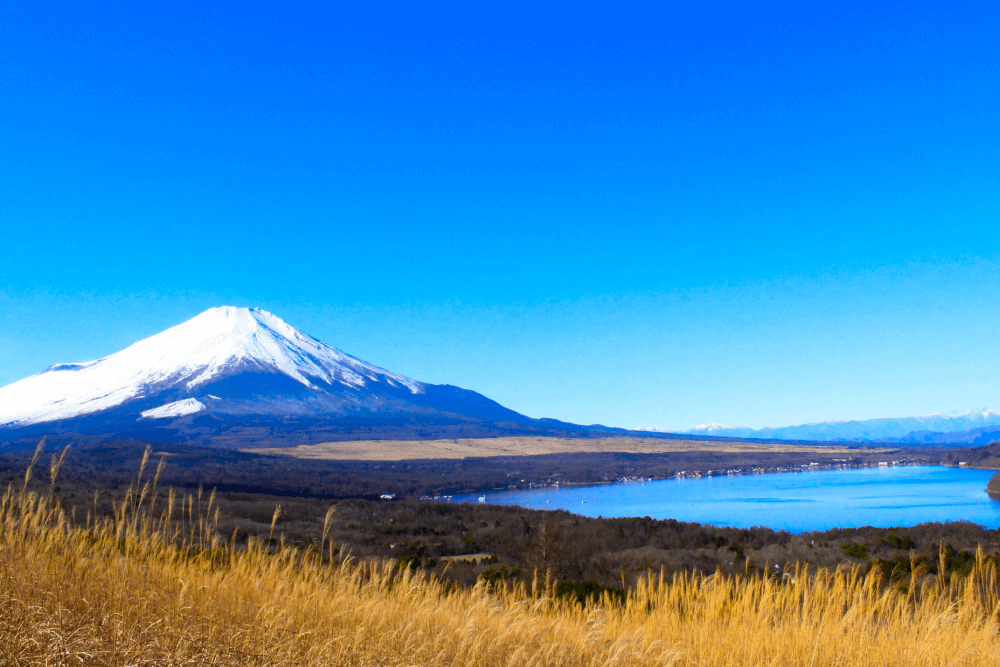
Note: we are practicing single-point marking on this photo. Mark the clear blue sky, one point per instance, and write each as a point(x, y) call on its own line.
point(636, 215)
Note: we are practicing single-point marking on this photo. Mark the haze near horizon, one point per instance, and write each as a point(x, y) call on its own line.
point(648, 217)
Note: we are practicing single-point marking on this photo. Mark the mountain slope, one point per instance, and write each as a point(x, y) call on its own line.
point(246, 375)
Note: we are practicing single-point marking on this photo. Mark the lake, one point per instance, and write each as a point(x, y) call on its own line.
point(797, 502)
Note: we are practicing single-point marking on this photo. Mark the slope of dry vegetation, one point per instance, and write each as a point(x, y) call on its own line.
point(155, 583)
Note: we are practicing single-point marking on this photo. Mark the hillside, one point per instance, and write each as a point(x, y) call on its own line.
point(986, 457)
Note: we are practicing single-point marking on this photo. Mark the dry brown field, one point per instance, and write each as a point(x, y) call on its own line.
point(400, 450)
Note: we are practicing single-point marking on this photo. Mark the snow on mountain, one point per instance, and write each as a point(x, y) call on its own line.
point(869, 429)
point(215, 343)
point(721, 429)
point(188, 406)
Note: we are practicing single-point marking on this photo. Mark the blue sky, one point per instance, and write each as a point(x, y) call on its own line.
point(637, 215)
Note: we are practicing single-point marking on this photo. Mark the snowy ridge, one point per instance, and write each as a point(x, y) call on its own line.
point(186, 407)
point(183, 357)
point(717, 428)
point(868, 429)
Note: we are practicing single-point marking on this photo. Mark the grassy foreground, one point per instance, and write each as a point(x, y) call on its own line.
point(156, 585)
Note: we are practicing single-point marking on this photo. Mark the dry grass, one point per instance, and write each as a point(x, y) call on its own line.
point(398, 450)
point(155, 585)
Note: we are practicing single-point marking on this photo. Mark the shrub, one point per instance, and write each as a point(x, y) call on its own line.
point(495, 575)
point(904, 542)
point(859, 551)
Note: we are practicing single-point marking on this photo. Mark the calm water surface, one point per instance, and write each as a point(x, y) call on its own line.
point(797, 502)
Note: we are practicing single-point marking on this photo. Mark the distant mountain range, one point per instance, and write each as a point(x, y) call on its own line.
point(242, 376)
point(976, 426)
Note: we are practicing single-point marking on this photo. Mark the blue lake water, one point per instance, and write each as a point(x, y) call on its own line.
point(797, 502)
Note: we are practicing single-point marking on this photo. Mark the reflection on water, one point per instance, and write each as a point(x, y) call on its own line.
point(819, 500)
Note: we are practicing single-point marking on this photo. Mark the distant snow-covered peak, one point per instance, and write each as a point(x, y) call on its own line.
point(868, 429)
point(186, 356)
point(709, 428)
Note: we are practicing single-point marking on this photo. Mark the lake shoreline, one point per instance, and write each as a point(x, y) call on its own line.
point(844, 497)
point(708, 474)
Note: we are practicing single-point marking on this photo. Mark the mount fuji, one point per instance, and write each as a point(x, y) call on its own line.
point(242, 376)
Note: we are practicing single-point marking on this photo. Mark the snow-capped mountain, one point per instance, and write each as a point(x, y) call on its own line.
point(245, 373)
point(188, 358)
point(965, 427)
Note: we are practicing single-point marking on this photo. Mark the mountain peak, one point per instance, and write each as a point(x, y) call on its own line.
point(209, 346)
point(714, 427)
point(240, 321)
point(239, 377)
